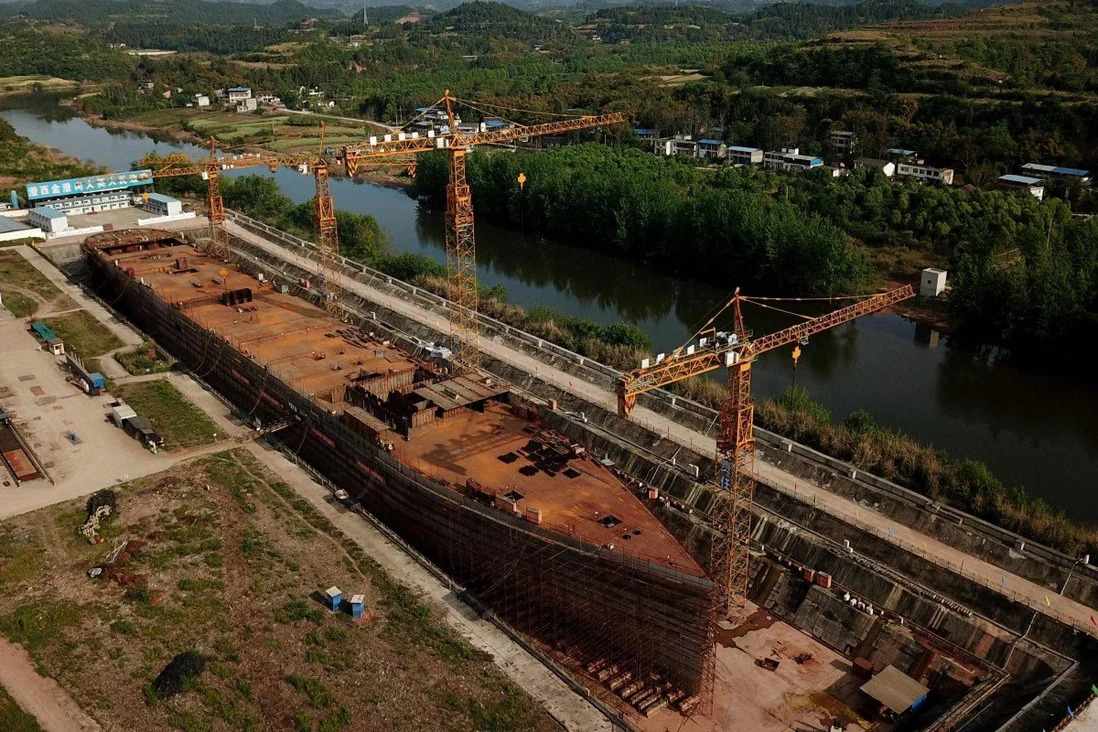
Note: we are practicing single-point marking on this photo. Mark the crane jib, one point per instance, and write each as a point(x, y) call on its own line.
point(679, 367)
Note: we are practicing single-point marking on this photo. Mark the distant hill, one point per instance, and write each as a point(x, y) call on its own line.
point(495, 18)
point(93, 13)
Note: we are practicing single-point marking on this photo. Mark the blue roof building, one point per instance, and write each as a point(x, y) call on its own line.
point(1020, 180)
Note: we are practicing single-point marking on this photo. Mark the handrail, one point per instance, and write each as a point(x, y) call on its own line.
point(689, 406)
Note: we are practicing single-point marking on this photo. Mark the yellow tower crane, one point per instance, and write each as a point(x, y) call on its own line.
point(177, 164)
point(460, 239)
point(735, 458)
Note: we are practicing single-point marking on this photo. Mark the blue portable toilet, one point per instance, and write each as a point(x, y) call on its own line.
point(14, 199)
point(358, 605)
point(333, 597)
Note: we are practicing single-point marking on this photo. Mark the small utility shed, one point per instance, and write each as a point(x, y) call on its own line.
point(895, 691)
point(141, 429)
point(120, 413)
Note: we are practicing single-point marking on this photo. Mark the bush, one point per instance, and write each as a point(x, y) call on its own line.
point(860, 422)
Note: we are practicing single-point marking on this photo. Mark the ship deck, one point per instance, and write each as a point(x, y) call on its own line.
point(297, 340)
point(316, 354)
point(572, 502)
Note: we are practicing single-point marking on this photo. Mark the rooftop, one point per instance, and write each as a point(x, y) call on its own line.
point(1020, 180)
point(8, 224)
point(895, 689)
point(160, 197)
point(740, 148)
point(47, 212)
point(1056, 170)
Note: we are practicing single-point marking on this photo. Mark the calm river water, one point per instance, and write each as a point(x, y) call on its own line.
point(1037, 430)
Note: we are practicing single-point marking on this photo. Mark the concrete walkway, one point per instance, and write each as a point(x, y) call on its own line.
point(49, 409)
point(126, 334)
point(1012, 586)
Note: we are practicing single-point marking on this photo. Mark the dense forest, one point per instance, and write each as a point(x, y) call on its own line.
point(655, 23)
point(639, 206)
point(1024, 272)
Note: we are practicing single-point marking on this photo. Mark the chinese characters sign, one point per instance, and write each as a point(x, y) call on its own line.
point(91, 184)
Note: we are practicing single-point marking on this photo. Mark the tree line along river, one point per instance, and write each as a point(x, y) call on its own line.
point(1037, 430)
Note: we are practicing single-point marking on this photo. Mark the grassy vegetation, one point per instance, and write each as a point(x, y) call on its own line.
point(34, 289)
point(179, 422)
point(145, 359)
point(33, 82)
point(218, 568)
point(281, 133)
point(83, 334)
point(14, 719)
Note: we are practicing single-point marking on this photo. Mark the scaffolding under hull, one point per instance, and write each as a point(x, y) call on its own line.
point(593, 605)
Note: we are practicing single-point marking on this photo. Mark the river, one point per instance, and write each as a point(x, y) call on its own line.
point(1036, 430)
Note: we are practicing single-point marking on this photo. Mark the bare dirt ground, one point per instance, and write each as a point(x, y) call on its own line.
point(234, 573)
point(40, 697)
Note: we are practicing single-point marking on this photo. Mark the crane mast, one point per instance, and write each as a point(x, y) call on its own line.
point(460, 237)
point(327, 235)
point(735, 454)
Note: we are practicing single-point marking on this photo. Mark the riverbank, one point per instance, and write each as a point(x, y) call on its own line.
point(23, 161)
point(159, 134)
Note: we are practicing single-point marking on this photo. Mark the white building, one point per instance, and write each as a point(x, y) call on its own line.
point(932, 282)
point(677, 145)
point(1055, 171)
point(49, 220)
point(1034, 186)
point(201, 100)
point(790, 158)
point(885, 166)
point(247, 105)
point(925, 173)
point(739, 155)
point(269, 98)
point(162, 205)
point(11, 230)
point(238, 94)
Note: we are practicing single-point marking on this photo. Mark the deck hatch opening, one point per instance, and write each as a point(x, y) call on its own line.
point(528, 470)
point(513, 496)
point(571, 473)
point(609, 520)
point(508, 457)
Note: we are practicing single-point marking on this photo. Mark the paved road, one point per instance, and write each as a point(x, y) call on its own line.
point(1037, 597)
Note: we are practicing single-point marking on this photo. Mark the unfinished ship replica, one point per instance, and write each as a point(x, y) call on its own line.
point(549, 538)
